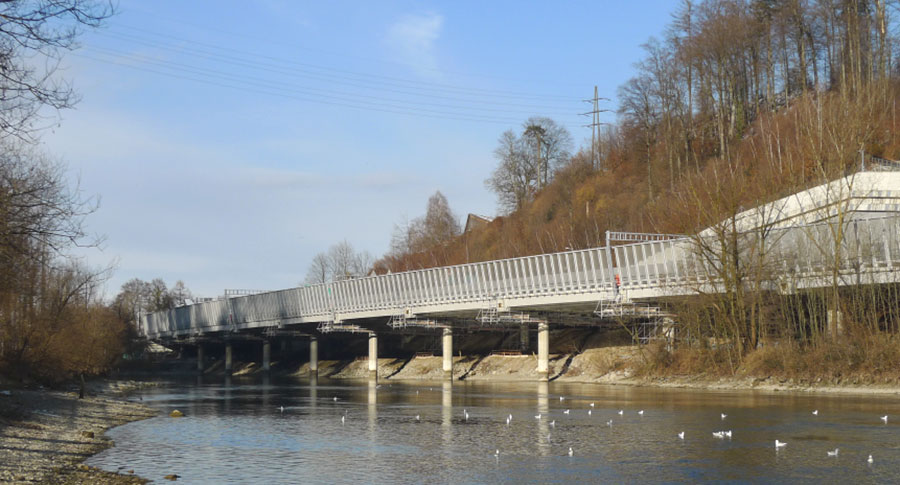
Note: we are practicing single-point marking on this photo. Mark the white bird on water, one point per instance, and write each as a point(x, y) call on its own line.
point(609, 423)
point(507, 421)
point(553, 423)
point(641, 412)
point(884, 418)
point(815, 412)
point(497, 453)
point(870, 460)
point(621, 412)
point(571, 451)
point(538, 416)
point(561, 398)
point(566, 411)
point(343, 418)
point(719, 434)
point(589, 412)
point(724, 415)
point(833, 453)
point(418, 418)
point(281, 408)
point(728, 434)
point(681, 435)
point(466, 413)
point(335, 398)
point(779, 444)
point(592, 404)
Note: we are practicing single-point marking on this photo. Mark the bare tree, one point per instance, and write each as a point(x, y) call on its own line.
point(33, 36)
point(342, 258)
point(341, 262)
point(527, 162)
point(179, 294)
point(515, 179)
point(548, 145)
point(440, 223)
point(319, 270)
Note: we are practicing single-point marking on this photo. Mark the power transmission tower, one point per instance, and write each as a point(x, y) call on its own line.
point(595, 125)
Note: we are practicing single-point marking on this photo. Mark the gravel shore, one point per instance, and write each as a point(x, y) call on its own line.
point(45, 435)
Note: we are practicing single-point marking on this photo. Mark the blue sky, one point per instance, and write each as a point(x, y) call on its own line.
point(232, 141)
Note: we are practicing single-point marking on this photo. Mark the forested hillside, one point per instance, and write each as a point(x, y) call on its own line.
point(738, 102)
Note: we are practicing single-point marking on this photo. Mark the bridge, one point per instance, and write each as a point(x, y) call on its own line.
point(849, 228)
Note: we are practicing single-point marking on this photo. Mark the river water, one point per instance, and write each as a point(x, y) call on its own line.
point(235, 431)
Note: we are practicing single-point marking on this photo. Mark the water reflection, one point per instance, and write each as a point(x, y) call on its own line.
point(447, 412)
point(543, 424)
point(234, 432)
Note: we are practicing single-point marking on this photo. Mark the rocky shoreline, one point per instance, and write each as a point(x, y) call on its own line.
point(46, 435)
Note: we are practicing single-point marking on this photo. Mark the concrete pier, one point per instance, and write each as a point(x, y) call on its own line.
point(200, 357)
point(543, 366)
point(267, 355)
point(373, 355)
point(313, 357)
point(447, 352)
point(228, 359)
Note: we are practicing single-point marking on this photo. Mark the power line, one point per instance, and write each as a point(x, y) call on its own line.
point(233, 34)
point(308, 89)
point(289, 88)
point(368, 77)
point(351, 104)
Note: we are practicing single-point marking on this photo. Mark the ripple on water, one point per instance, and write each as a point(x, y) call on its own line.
point(237, 434)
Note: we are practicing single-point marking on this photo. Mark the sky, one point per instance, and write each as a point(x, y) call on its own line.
point(229, 142)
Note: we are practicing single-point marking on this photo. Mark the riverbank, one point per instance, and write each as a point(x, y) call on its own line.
point(590, 361)
point(46, 435)
point(612, 365)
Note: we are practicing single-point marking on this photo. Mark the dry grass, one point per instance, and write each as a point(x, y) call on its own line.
point(862, 359)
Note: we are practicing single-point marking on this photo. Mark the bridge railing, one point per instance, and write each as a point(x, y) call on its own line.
point(793, 253)
point(580, 271)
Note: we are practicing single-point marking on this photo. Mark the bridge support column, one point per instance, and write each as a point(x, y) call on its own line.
point(373, 356)
point(313, 357)
point(199, 357)
point(543, 366)
point(228, 356)
point(447, 352)
point(267, 355)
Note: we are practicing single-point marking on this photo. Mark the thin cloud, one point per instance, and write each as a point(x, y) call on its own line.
point(413, 38)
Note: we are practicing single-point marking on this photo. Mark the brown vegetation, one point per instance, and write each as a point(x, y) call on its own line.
point(741, 102)
point(52, 323)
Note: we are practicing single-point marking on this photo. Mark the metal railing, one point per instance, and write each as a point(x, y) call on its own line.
point(657, 267)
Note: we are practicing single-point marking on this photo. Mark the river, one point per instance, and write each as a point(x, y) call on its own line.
point(235, 431)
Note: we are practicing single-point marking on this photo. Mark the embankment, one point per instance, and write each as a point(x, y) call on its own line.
point(577, 355)
point(45, 435)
